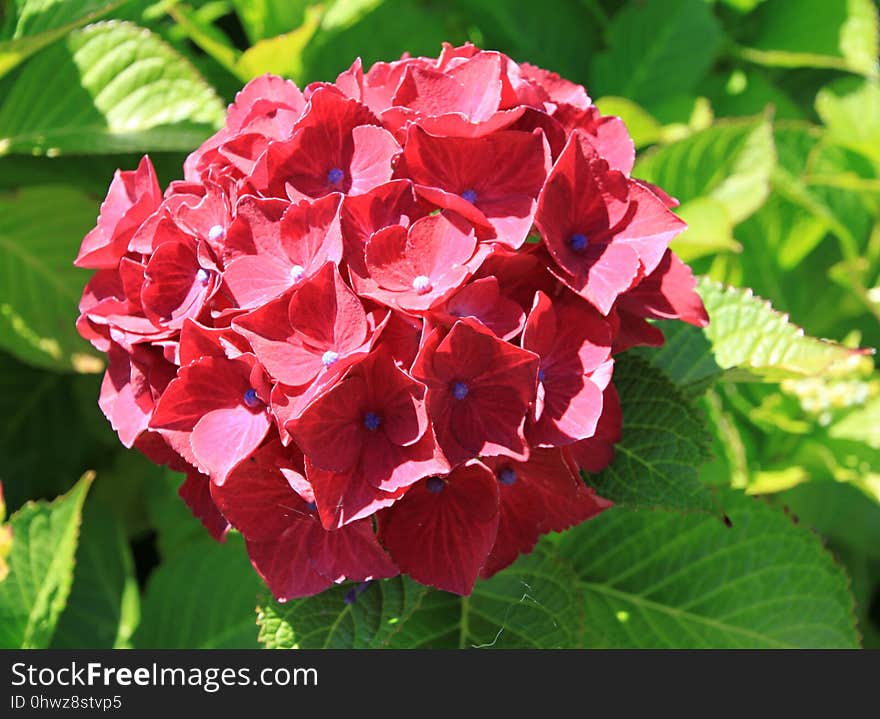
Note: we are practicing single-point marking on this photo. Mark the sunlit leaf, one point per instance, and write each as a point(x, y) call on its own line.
point(31, 25)
point(839, 34)
point(109, 87)
point(660, 579)
point(730, 162)
point(33, 595)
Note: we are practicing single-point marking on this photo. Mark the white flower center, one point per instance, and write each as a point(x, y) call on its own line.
point(422, 284)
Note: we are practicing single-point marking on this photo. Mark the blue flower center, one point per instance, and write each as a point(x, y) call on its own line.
point(470, 196)
point(541, 375)
point(251, 399)
point(507, 476)
point(459, 390)
point(579, 242)
point(334, 177)
point(372, 421)
point(329, 358)
point(435, 484)
point(311, 506)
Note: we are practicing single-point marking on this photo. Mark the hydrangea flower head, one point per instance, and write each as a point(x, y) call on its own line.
point(375, 324)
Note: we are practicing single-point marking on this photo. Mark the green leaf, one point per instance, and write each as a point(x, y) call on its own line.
point(863, 572)
point(206, 36)
point(327, 620)
point(52, 430)
point(821, 505)
point(385, 31)
point(104, 604)
point(851, 523)
point(126, 481)
point(651, 50)
point(709, 230)
point(686, 357)
point(743, 5)
point(791, 224)
point(846, 186)
point(560, 37)
point(38, 23)
point(90, 174)
point(743, 92)
point(532, 604)
point(841, 460)
point(750, 340)
point(40, 288)
point(283, 54)
point(202, 598)
point(797, 228)
point(730, 162)
point(175, 525)
point(862, 424)
point(730, 445)
point(664, 442)
point(851, 111)
point(5, 538)
point(44, 539)
point(268, 18)
point(109, 87)
point(660, 579)
point(342, 14)
point(794, 142)
point(682, 115)
point(838, 34)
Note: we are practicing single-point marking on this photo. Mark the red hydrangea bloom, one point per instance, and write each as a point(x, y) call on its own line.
point(411, 269)
point(268, 500)
point(214, 413)
point(266, 109)
point(574, 344)
point(595, 453)
point(131, 199)
point(479, 391)
point(483, 300)
point(315, 331)
point(493, 180)
point(543, 494)
point(668, 293)
point(273, 245)
point(337, 146)
point(133, 382)
point(604, 231)
point(374, 324)
point(443, 529)
point(179, 278)
point(366, 439)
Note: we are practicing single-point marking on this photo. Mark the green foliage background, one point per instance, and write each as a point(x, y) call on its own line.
point(761, 116)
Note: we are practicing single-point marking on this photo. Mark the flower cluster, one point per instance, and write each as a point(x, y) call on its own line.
point(375, 323)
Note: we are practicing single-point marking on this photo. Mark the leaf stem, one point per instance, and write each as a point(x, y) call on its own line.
point(463, 627)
